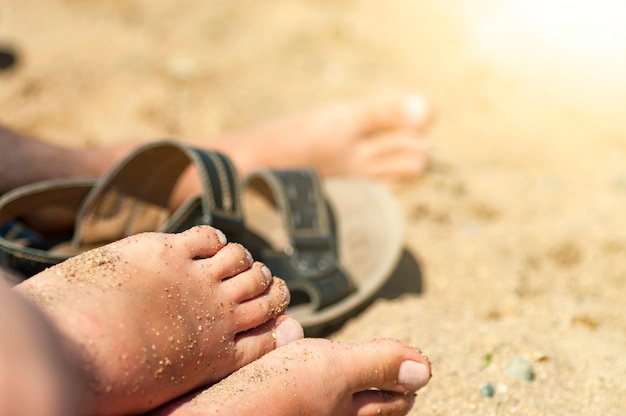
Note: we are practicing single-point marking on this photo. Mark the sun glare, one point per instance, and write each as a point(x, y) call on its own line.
point(582, 26)
point(572, 35)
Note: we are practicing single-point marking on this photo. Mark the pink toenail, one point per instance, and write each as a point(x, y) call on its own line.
point(221, 236)
point(267, 273)
point(416, 109)
point(287, 331)
point(249, 258)
point(413, 375)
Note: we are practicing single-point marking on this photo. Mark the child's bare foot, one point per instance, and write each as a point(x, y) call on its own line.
point(315, 377)
point(155, 316)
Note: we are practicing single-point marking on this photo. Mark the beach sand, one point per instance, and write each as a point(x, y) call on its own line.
point(516, 239)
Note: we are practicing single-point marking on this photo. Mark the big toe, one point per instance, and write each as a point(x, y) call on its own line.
point(384, 375)
point(386, 365)
point(396, 111)
point(201, 241)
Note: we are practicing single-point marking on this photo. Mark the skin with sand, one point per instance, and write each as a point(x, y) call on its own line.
point(155, 316)
point(317, 377)
point(104, 310)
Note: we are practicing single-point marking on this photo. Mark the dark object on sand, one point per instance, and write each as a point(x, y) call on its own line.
point(8, 58)
point(487, 390)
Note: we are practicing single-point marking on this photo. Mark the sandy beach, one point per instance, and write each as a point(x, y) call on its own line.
point(517, 232)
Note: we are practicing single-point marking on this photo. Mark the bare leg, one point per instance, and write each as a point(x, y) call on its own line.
point(155, 316)
point(24, 160)
point(36, 374)
point(382, 137)
point(316, 377)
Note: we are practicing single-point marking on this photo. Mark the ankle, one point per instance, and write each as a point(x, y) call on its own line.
point(25, 160)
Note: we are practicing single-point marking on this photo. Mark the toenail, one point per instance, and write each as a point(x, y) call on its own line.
point(287, 331)
point(413, 375)
point(416, 109)
point(221, 236)
point(267, 274)
point(249, 258)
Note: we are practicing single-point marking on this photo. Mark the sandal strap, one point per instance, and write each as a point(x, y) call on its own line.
point(310, 264)
point(17, 251)
point(134, 196)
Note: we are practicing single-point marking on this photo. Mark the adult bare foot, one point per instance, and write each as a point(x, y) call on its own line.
point(315, 377)
point(382, 138)
point(379, 137)
point(154, 316)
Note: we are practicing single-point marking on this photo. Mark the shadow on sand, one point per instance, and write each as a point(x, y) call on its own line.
point(406, 278)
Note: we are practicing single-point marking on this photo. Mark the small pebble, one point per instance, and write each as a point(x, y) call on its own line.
point(520, 368)
point(8, 58)
point(487, 390)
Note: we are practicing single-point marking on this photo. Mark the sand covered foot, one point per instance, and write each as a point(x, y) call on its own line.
point(315, 377)
point(155, 316)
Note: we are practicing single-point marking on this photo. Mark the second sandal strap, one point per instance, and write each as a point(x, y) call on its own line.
point(310, 265)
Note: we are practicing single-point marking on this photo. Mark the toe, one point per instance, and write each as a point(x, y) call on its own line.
point(396, 111)
point(229, 261)
point(400, 154)
point(248, 284)
point(376, 402)
point(416, 111)
point(275, 333)
point(287, 331)
point(261, 309)
point(383, 364)
point(202, 241)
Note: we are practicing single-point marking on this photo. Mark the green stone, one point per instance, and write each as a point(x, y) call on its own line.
point(520, 368)
point(487, 390)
